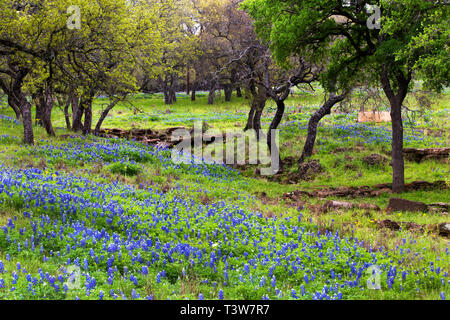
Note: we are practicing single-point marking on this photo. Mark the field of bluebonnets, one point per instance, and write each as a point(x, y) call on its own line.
point(103, 218)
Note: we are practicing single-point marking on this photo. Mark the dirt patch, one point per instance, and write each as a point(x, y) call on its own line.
point(289, 161)
point(442, 229)
point(342, 149)
point(147, 136)
point(375, 160)
point(365, 191)
point(306, 171)
point(333, 205)
point(273, 201)
point(440, 207)
point(389, 224)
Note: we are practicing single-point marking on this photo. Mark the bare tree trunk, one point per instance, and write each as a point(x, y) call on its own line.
point(238, 92)
point(274, 150)
point(396, 101)
point(261, 98)
point(14, 107)
point(77, 125)
point(257, 118)
point(20, 100)
point(37, 99)
point(314, 121)
point(77, 114)
point(87, 106)
point(228, 91)
point(46, 102)
point(66, 111)
point(173, 95)
point(11, 101)
point(188, 80)
point(193, 95)
point(27, 121)
point(211, 95)
point(251, 113)
point(398, 166)
point(170, 96)
point(104, 114)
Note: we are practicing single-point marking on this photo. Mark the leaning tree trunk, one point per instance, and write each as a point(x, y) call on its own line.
point(314, 121)
point(16, 108)
point(20, 100)
point(257, 118)
point(103, 116)
point(251, 113)
point(273, 149)
point(261, 98)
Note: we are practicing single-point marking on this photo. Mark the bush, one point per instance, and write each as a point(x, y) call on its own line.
point(125, 168)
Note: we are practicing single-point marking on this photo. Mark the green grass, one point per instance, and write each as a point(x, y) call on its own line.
point(344, 168)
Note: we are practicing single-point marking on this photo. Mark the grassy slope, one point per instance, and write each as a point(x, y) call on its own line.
point(356, 222)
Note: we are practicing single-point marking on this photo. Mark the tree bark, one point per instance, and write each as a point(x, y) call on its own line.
point(37, 99)
point(251, 113)
point(66, 111)
point(14, 107)
point(238, 92)
point(77, 113)
point(11, 101)
point(173, 95)
point(314, 121)
point(398, 165)
point(211, 95)
point(259, 98)
point(169, 90)
point(87, 106)
point(396, 101)
point(103, 115)
point(77, 125)
point(193, 95)
point(228, 91)
point(188, 80)
point(27, 121)
point(273, 149)
point(46, 104)
point(257, 118)
point(20, 100)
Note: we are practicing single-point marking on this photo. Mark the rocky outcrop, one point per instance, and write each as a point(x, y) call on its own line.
point(419, 155)
point(397, 204)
